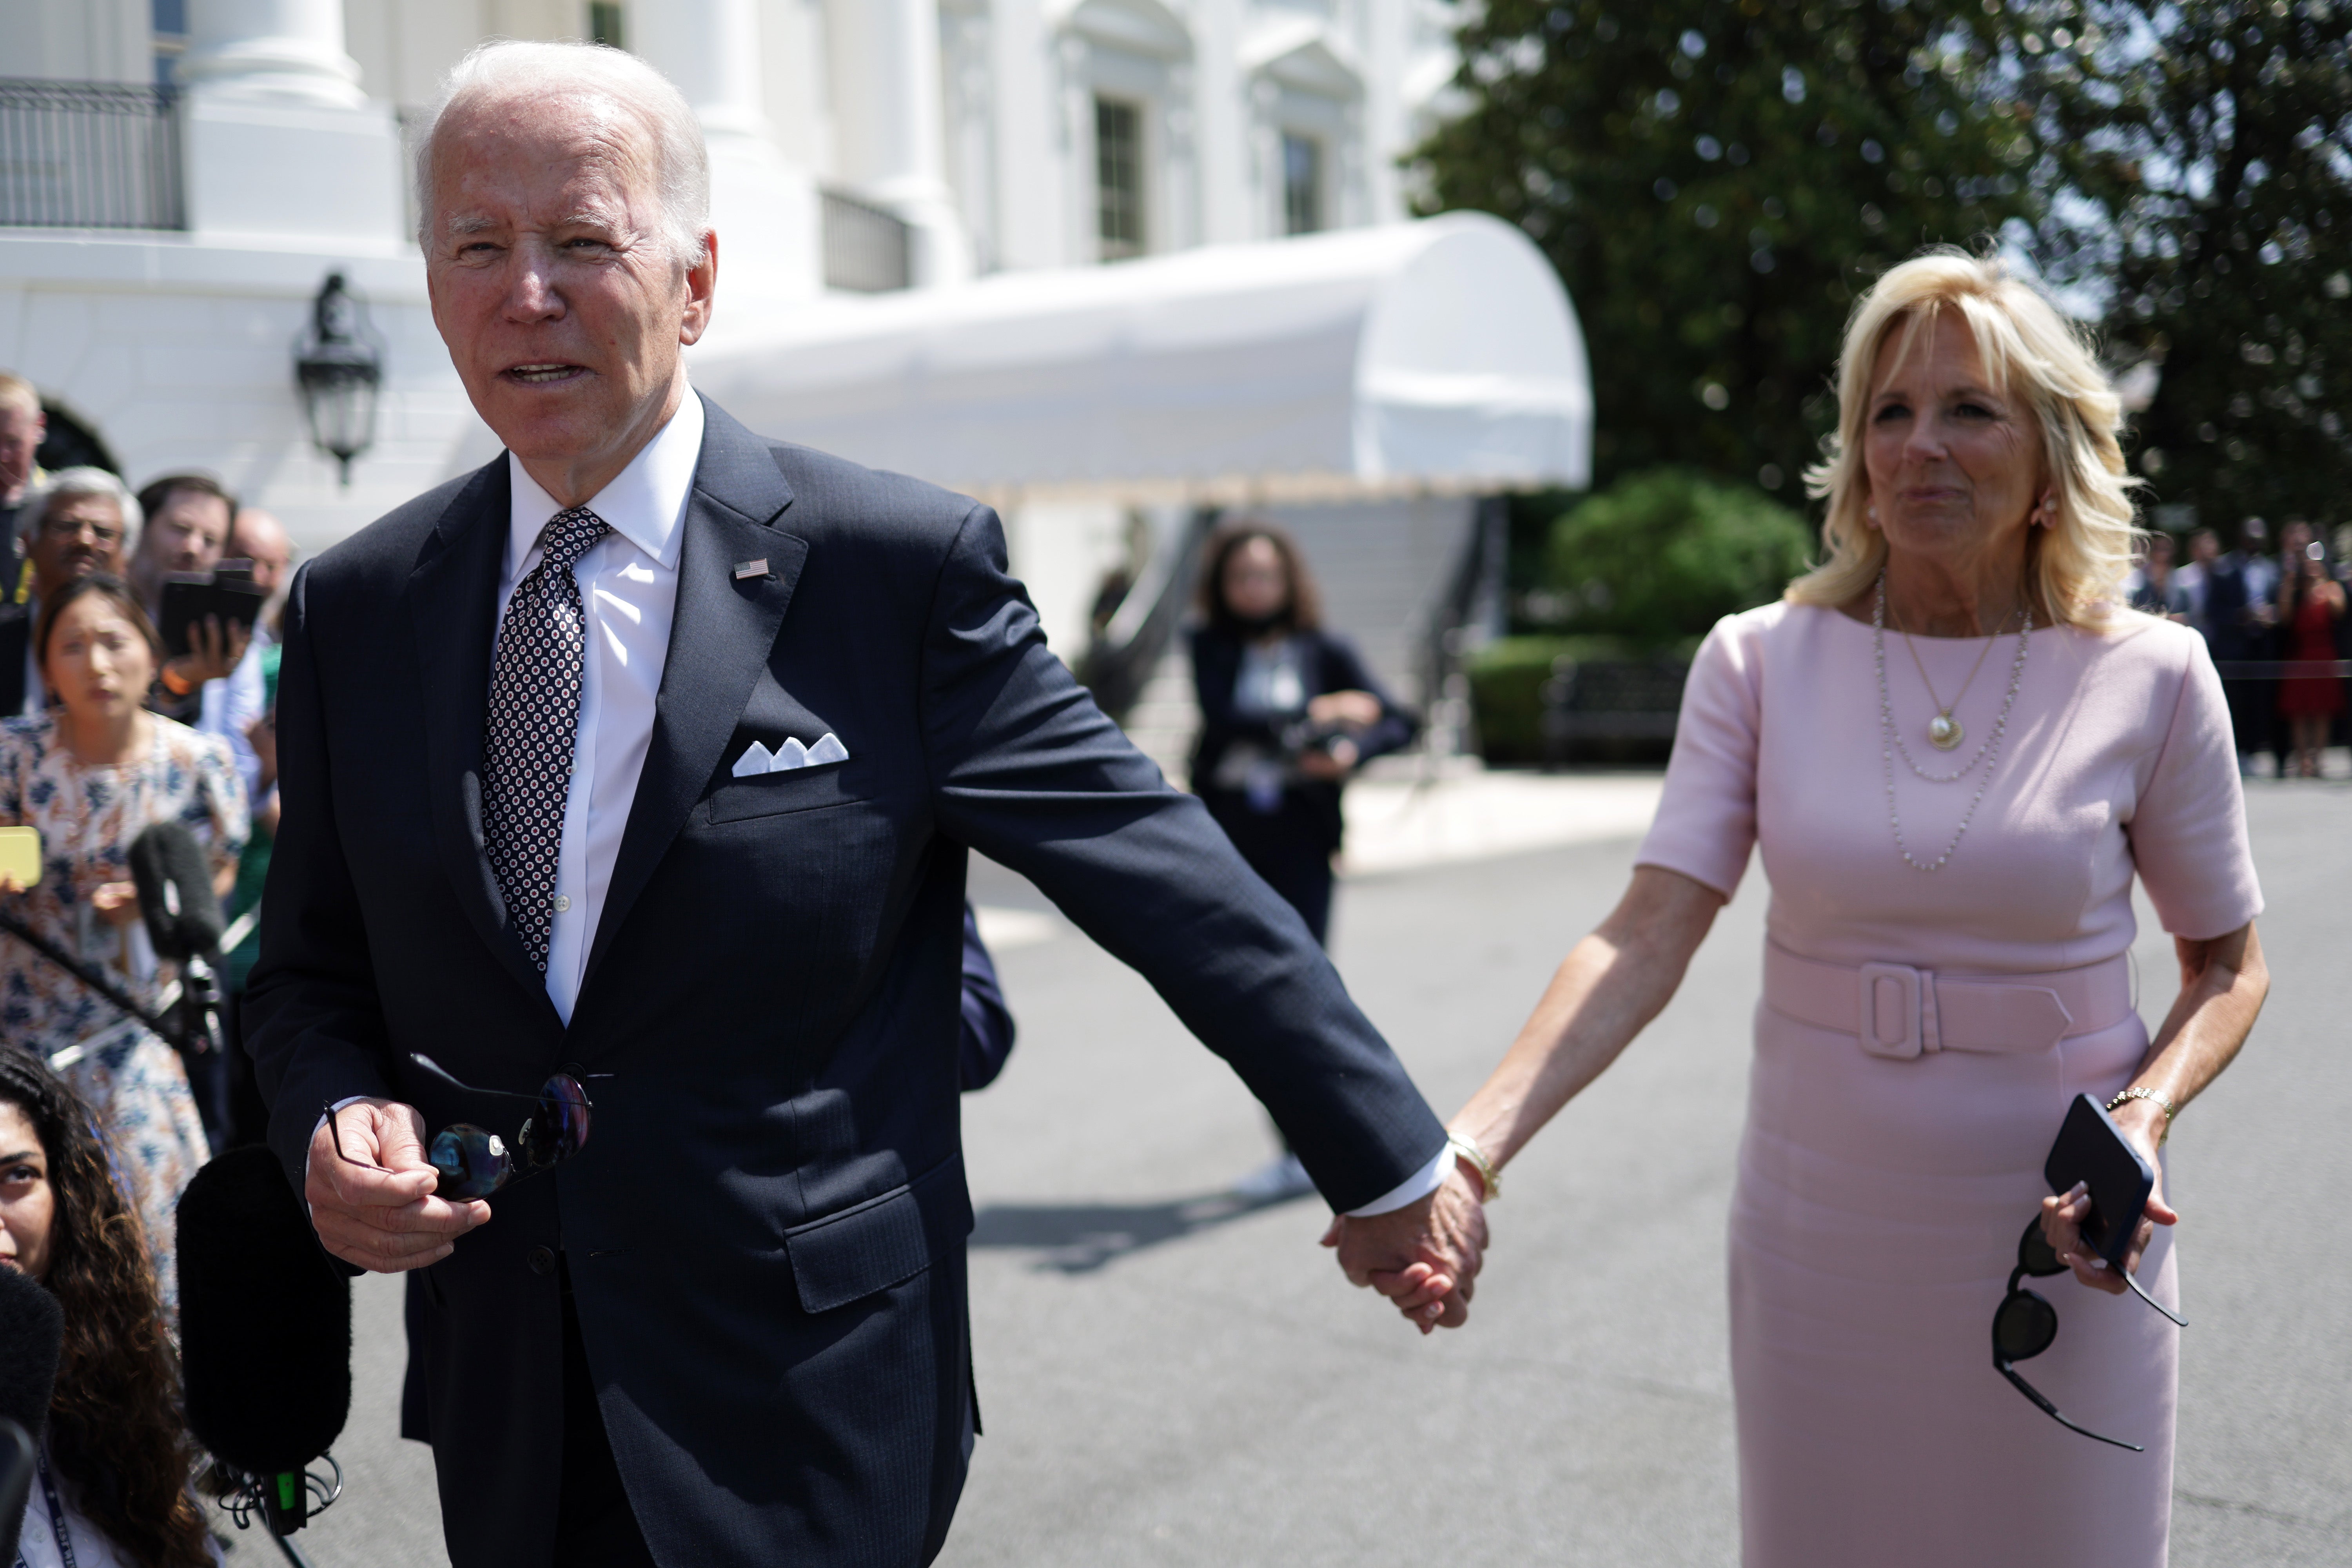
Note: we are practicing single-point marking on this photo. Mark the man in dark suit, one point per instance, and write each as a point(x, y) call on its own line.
point(2232, 635)
point(652, 752)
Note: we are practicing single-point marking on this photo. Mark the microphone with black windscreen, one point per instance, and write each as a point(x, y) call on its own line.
point(175, 892)
point(32, 1329)
point(182, 917)
point(265, 1339)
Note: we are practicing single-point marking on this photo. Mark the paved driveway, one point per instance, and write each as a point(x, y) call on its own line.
point(1168, 1379)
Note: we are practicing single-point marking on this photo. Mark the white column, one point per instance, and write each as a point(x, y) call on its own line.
point(280, 142)
point(711, 48)
point(1032, 154)
point(887, 113)
point(764, 207)
point(288, 51)
point(1224, 132)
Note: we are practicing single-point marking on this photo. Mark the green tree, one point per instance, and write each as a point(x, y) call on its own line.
point(1716, 180)
point(2203, 146)
point(1662, 555)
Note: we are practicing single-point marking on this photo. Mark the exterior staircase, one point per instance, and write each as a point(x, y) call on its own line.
point(1165, 717)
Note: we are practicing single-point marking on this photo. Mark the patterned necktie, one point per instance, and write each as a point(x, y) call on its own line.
point(534, 720)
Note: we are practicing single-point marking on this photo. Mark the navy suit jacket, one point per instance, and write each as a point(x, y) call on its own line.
point(765, 1233)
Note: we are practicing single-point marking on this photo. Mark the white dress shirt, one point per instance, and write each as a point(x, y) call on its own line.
point(628, 588)
point(227, 708)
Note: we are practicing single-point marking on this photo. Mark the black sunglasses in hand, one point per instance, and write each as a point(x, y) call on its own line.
point(2025, 1325)
point(474, 1163)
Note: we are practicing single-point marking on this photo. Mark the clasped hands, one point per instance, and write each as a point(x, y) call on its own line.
point(373, 1202)
point(1425, 1256)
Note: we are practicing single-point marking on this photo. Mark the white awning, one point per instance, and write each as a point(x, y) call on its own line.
point(1438, 356)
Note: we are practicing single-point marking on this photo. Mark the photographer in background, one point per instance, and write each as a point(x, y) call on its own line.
point(214, 686)
point(1288, 711)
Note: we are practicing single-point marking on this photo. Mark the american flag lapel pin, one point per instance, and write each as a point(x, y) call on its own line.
point(746, 570)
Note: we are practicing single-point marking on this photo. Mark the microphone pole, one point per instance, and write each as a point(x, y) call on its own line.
point(91, 976)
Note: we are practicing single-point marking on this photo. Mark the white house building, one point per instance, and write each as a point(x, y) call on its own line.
point(916, 199)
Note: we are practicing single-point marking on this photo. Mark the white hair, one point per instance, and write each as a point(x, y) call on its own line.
point(520, 67)
point(72, 484)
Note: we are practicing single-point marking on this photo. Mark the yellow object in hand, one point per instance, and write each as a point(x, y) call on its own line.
point(20, 856)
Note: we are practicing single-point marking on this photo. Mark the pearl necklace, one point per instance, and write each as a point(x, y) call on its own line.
point(1989, 754)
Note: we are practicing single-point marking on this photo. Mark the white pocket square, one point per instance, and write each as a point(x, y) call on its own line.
point(757, 759)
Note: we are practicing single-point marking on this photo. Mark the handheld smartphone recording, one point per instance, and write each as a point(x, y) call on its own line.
point(2092, 1150)
point(20, 855)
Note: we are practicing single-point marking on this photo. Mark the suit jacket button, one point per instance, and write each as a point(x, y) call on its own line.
point(540, 1259)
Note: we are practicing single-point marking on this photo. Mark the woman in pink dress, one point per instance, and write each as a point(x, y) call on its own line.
point(1954, 752)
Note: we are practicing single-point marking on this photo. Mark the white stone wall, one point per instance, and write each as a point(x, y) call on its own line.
point(973, 119)
point(184, 358)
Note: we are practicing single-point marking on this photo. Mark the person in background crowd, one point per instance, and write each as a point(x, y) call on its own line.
point(23, 426)
point(116, 1458)
point(2196, 579)
point(2240, 604)
point(2157, 592)
point(2310, 613)
point(215, 687)
point(2279, 639)
point(259, 537)
point(90, 775)
point(188, 518)
point(2261, 567)
point(1288, 711)
point(239, 1114)
point(77, 522)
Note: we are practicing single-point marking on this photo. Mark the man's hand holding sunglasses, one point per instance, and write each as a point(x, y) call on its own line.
point(371, 1199)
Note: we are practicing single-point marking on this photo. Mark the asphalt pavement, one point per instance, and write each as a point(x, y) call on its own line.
point(1168, 1377)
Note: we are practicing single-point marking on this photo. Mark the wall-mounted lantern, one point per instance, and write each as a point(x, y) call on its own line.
point(340, 372)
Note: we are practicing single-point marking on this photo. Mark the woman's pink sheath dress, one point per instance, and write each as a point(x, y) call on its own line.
point(1898, 1114)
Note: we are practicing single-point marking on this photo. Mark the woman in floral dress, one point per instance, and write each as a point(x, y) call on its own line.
point(91, 774)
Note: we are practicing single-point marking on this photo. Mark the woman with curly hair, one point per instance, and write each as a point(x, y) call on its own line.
point(1956, 751)
point(117, 1453)
point(89, 775)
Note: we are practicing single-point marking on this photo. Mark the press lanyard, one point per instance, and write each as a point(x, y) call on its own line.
point(57, 1520)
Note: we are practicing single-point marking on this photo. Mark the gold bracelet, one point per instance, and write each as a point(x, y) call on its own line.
point(2154, 1099)
point(1490, 1180)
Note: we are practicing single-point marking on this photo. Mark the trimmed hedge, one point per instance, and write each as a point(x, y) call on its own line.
point(1660, 556)
point(1506, 682)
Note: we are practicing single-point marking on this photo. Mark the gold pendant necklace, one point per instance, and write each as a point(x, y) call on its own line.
point(1945, 731)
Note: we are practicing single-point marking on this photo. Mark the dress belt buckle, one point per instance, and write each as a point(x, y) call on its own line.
point(1890, 1003)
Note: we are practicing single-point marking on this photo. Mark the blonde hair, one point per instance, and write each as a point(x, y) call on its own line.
point(2081, 559)
point(16, 392)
